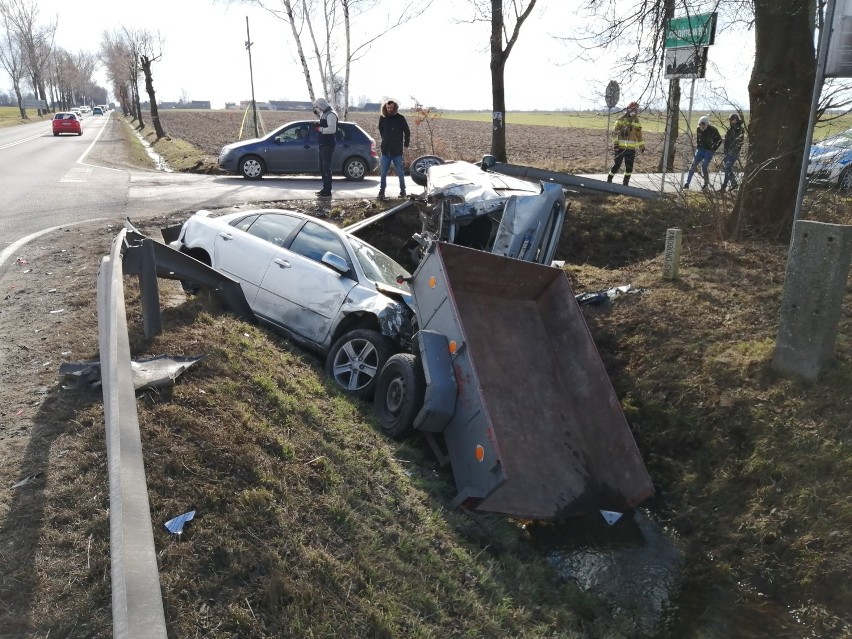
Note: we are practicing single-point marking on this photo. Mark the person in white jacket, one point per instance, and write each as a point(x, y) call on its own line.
point(327, 128)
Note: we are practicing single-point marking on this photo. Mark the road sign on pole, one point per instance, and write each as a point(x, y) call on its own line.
point(691, 31)
point(613, 92)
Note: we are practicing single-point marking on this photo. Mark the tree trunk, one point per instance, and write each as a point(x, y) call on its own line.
point(498, 93)
point(152, 98)
point(667, 157)
point(780, 91)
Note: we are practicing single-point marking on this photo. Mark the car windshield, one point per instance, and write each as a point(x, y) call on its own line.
point(377, 266)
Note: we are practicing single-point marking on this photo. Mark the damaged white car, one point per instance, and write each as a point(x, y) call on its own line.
point(323, 288)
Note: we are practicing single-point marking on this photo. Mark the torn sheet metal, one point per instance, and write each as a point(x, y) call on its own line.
point(151, 372)
point(175, 526)
point(607, 295)
point(610, 516)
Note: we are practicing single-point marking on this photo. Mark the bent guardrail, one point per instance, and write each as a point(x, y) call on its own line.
point(137, 603)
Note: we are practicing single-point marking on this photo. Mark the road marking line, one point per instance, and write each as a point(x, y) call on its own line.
point(32, 137)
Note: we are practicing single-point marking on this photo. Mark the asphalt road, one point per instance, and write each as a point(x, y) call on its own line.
point(48, 182)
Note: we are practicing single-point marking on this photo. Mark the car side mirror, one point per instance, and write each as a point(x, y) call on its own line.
point(336, 262)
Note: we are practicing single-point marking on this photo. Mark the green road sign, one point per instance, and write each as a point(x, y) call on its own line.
point(691, 31)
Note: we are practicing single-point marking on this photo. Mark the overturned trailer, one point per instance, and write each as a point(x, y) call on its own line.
point(505, 382)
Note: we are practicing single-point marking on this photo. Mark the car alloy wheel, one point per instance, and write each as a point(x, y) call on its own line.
point(355, 360)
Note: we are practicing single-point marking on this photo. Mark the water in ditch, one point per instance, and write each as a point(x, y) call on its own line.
point(652, 585)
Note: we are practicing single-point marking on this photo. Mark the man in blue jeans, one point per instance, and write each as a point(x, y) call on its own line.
point(395, 134)
point(327, 128)
point(707, 140)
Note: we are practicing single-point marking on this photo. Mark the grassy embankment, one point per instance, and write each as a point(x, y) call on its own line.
point(11, 116)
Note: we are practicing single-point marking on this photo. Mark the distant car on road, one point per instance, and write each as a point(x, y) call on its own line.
point(830, 161)
point(294, 148)
point(323, 288)
point(67, 122)
point(97, 111)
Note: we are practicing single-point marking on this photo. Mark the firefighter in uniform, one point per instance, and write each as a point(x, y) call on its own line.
point(627, 139)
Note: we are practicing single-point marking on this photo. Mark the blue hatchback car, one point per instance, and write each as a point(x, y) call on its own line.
point(294, 148)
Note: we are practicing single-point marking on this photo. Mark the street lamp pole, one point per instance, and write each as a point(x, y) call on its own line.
point(251, 76)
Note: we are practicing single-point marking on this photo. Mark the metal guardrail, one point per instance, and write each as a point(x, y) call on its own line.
point(137, 604)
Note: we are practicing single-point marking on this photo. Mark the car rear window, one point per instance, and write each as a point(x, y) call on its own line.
point(65, 116)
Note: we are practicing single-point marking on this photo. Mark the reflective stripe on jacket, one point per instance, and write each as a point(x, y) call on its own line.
point(628, 133)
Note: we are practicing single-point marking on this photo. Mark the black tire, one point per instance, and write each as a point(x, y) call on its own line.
point(56, 135)
point(844, 183)
point(399, 395)
point(420, 165)
point(252, 167)
point(355, 360)
point(355, 168)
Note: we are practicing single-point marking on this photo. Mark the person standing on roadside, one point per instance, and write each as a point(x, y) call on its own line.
point(627, 138)
point(734, 138)
point(707, 140)
point(395, 134)
point(327, 128)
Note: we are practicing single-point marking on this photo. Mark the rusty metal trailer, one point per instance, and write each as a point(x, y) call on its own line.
point(506, 379)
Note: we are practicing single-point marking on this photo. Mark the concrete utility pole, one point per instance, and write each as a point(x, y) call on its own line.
point(251, 77)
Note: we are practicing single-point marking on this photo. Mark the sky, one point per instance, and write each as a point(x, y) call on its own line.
point(434, 59)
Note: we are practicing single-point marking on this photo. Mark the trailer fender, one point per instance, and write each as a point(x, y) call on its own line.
point(439, 403)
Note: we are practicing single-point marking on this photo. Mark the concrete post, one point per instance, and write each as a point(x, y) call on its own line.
point(671, 257)
point(814, 287)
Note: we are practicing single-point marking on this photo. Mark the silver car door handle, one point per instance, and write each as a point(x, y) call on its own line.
point(281, 263)
point(226, 236)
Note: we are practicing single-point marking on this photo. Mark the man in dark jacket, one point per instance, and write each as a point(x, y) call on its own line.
point(327, 128)
point(734, 139)
point(707, 140)
point(395, 134)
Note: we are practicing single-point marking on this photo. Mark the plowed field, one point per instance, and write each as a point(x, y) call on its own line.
point(567, 149)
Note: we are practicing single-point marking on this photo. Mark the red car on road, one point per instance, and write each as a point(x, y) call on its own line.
point(67, 123)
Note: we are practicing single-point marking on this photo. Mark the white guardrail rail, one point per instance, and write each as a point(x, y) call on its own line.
point(137, 603)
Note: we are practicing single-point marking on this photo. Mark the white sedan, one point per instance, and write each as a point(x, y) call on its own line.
point(323, 288)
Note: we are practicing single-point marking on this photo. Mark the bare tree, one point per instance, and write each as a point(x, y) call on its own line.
point(506, 18)
point(318, 25)
point(151, 50)
point(119, 61)
point(11, 57)
point(35, 40)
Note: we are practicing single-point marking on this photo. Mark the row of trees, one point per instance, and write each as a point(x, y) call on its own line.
point(61, 79)
point(37, 67)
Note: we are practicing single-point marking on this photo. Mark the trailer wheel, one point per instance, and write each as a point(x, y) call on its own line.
point(399, 395)
point(355, 360)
